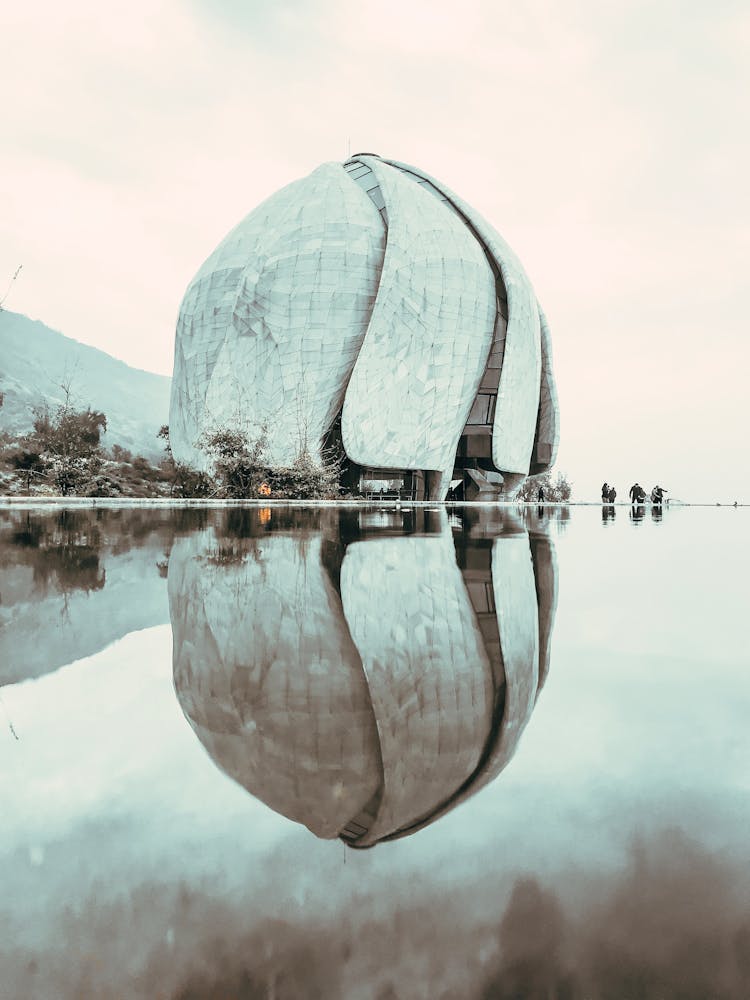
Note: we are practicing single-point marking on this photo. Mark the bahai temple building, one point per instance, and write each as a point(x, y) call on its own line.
point(368, 309)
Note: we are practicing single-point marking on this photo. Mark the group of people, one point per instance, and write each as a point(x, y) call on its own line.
point(636, 493)
point(609, 493)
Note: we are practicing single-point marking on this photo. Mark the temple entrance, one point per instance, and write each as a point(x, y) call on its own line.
point(399, 484)
point(391, 484)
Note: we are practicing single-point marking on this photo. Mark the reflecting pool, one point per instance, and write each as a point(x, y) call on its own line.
point(374, 752)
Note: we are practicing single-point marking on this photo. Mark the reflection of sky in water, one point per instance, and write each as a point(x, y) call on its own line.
point(112, 808)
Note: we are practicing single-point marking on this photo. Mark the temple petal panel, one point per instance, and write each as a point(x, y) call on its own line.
point(368, 310)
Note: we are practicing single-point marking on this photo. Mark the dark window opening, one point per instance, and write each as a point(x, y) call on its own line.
point(483, 409)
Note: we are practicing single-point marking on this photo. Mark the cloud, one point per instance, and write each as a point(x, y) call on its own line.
point(604, 141)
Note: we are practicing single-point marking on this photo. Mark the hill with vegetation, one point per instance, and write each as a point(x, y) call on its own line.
point(38, 366)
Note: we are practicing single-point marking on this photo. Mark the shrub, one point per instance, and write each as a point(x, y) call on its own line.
point(242, 470)
point(558, 490)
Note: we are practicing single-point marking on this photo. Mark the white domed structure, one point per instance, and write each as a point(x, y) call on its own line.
point(368, 304)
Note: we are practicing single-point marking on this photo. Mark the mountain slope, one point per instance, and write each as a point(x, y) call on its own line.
point(35, 360)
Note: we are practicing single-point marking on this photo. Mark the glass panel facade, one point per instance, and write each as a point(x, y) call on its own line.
point(483, 409)
point(363, 175)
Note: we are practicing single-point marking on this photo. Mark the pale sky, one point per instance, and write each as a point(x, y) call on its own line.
point(607, 141)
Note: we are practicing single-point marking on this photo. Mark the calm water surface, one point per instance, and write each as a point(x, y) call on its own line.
point(299, 752)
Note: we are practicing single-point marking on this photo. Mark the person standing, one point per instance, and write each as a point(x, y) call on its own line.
point(605, 493)
point(612, 496)
point(636, 493)
point(540, 495)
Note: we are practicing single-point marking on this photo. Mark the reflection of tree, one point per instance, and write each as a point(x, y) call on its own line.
point(64, 549)
point(545, 519)
point(240, 529)
point(254, 522)
point(75, 580)
point(63, 552)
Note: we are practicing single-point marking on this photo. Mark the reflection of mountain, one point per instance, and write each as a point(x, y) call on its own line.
point(361, 678)
point(74, 581)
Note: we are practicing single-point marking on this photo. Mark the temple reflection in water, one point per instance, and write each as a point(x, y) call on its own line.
point(362, 672)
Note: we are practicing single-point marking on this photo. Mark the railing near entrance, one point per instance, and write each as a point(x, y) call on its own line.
point(389, 494)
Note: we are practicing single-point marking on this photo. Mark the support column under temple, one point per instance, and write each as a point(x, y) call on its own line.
point(436, 484)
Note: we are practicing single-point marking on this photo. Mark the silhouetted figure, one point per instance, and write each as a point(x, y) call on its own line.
point(540, 494)
point(605, 492)
point(637, 493)
point(657, 495)
point(612, 496)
